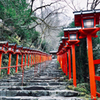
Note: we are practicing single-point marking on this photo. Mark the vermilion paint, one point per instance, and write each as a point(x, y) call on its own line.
point(0, 61)
point(91, 67)
point(66, 64)
point(16, 70)
point(9, 63)
point(74, 65)
point(69, 62)
point(22, 62)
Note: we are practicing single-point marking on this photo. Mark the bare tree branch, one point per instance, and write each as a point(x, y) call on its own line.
point(31, 5)
point(43, 21)
point(45, 17)
point(94, 4)
point(52, 12)
point(69, 5)
point(43, 6)
point(72, 1)
point(87, 4)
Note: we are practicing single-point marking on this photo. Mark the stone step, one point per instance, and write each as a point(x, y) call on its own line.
point(34, 87)
point(11, 80)
point(31, 83)
point(44, 78)
point(38, 93)
point(46, 72)
point(52, 71)
point(52, 80)
point(40, 98)
point(16, 79)
point(47, 83)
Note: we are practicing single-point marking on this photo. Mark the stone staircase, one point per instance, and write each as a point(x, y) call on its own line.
point(44, 86)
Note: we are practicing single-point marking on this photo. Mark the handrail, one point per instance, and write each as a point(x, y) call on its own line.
point(97, 78)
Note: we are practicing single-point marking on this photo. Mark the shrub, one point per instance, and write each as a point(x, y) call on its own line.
point(70, 81)
point(80, 89)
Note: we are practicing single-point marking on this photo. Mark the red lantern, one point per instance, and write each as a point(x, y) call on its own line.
point(88, 21)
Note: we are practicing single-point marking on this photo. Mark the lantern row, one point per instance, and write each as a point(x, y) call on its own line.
point(36, 56)
point(86, 22)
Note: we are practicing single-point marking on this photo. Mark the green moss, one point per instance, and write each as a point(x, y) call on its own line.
point(87, 96)
point(84, 87)
point(59, 68)
point(82, 94)
point(70, 87)
point(66, 80)
point(80, 89)
point(70, 81)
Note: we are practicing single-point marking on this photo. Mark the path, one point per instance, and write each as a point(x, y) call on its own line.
point(45, 86)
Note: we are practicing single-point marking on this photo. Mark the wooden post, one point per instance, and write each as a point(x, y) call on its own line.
point(16, 70)
point(74, 65)
point(91, 67)
point(69, 63)
point(9, 63)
